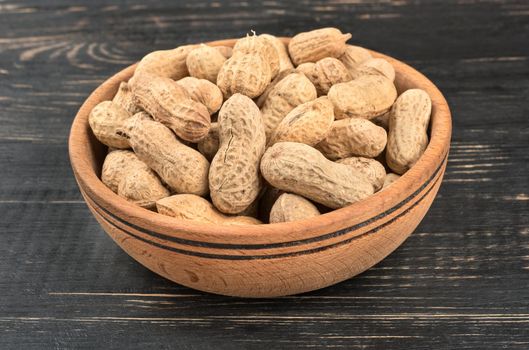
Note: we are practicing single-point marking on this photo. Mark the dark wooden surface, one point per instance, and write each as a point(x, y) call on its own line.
point(460, 281)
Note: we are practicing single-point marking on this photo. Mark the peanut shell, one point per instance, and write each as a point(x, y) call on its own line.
point(307, 69)
point(166, 63)
point(125, 174)
point(203, 91)
point(301, 169)
point(308, 123)
point(353, 137)
point(141, 186)
point(284, 59)
point(375, 66)
point(170, 104)
point(290, 92)
point(105, 119)
point(408, 125)
point(115, 167)
point(367, 168)
point(389, 179)
point(354, 56)
point(262, 98)
point(365, 97)
point(325, 73)
point(195, 208)
point(252, 44)
point(234, 178)
point(125, 98)
point(247, 74)
point(182, 168)
point(317, 44)
point(205, 62)
point(291, 207)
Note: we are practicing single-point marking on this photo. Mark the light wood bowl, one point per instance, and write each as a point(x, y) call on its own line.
point(266, 260)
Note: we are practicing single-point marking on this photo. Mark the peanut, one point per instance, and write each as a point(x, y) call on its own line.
point(209, 145)
point(234, 178)
point(390, 178)
point(328, 112)
point(252, 44)
point(202, 91)
point(291, 207)
point(166, 63)
point(354, 56)
point(317, 44)
point(140, 115)
point(184, 169)
point(325, 73)
point(301, 169)
point(205, 62)
point(284, 58)
point(142, 187)
point(367, 168)
point(408, 125)
point(306, 68)
point(132, 179)
point(365, 97)
point(106, 119)
point(115, 167)
point(262, 98)
point(195, 208)
point(125, 98)
point(307, 123)
point(374, 66)
point(290, 92)
point(170, 104)
point(353, 137)
point(248, 74)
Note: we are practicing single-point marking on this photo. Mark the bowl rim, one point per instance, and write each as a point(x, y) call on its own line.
point(263, 236)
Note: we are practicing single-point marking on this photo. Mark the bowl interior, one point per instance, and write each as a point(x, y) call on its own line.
point(87, 155)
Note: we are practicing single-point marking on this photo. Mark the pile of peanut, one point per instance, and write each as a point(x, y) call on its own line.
point(261, 130)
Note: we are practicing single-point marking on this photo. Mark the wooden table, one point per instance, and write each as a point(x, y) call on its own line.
point(460, 281)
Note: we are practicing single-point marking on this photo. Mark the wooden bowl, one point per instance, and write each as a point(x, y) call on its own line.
point(265, 260)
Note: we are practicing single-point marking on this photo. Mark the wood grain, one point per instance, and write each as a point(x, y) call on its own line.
point(460, 281)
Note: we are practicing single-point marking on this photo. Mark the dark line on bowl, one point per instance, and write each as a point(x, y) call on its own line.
point(279, 255)
point(338, 233)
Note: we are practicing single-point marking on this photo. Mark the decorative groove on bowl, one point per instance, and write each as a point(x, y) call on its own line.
point(126, 227)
